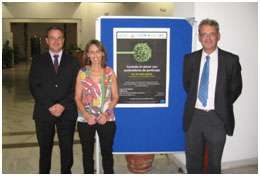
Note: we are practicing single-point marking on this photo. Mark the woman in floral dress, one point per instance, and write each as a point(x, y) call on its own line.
point(96, 97)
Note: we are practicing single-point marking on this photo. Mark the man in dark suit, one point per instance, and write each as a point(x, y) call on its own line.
point(52, 84)
point(213, 82)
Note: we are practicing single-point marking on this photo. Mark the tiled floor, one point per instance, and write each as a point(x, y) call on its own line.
point(20, 152)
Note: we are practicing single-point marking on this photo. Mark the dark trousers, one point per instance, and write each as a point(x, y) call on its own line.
point(206, 128)
point(106, 135)
point(45, 135)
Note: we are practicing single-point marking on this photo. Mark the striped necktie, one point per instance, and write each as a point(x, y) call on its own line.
point(204, 83)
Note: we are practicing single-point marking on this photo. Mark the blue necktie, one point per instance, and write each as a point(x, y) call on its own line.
point(204, 83)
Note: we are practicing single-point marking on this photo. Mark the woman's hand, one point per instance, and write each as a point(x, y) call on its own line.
point(103, 118)
point(91, 119)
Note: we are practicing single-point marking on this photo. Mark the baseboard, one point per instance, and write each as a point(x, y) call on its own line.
point(239, 163)
point(224, 165)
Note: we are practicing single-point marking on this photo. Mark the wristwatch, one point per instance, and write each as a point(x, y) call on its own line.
point(109, 111)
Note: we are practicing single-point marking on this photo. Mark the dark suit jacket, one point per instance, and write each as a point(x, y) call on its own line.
point(49, 88)
point(228, 86)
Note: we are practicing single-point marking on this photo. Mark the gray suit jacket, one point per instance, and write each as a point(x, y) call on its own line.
point(228, 86)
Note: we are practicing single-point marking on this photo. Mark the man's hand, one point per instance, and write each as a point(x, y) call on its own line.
point(56, 110)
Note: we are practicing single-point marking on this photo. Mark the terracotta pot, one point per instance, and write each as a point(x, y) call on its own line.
point(139, 163)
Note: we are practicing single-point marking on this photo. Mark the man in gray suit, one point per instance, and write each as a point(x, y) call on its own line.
point(213, 82)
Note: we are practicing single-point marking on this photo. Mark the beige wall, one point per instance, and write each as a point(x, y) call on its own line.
point(87, 13)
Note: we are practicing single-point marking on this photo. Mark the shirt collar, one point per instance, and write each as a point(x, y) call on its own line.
point(213, 56)
point(60, 53)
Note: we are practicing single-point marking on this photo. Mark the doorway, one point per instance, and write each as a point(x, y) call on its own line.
point(30, 37)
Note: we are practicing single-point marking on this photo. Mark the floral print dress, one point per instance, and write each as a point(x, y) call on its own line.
point(96, 98)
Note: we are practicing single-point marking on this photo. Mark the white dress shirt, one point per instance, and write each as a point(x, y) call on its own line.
point(213, 69)
point(52, 56)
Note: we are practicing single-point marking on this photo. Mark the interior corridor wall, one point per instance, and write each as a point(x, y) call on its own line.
point(239, 34)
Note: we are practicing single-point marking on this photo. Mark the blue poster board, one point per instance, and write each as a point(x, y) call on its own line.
point(151, 129)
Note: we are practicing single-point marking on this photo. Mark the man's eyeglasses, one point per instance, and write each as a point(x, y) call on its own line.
point(205, 35)
point(53, 39)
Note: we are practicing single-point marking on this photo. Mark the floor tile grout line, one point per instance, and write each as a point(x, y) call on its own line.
point(30, 144)
point(22, 133)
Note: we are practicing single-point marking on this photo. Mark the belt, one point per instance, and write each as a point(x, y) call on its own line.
point(205, 110)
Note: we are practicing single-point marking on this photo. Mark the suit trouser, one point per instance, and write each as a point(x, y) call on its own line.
point(106, 135)
point(206, 128)
point(45, 135)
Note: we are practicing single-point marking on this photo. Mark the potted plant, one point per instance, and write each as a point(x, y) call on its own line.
point(7, 55)
point(16, 53)
point(139, 163)
point(74, 50)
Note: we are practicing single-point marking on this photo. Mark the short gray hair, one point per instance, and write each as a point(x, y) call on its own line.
point(209, 22)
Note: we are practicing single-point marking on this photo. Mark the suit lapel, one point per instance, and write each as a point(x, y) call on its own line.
point(220, 72)
point(63, 62)
point(197, 66)
point(49, 62)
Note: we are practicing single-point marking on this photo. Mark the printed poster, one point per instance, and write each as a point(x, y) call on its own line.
point(141, 63)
